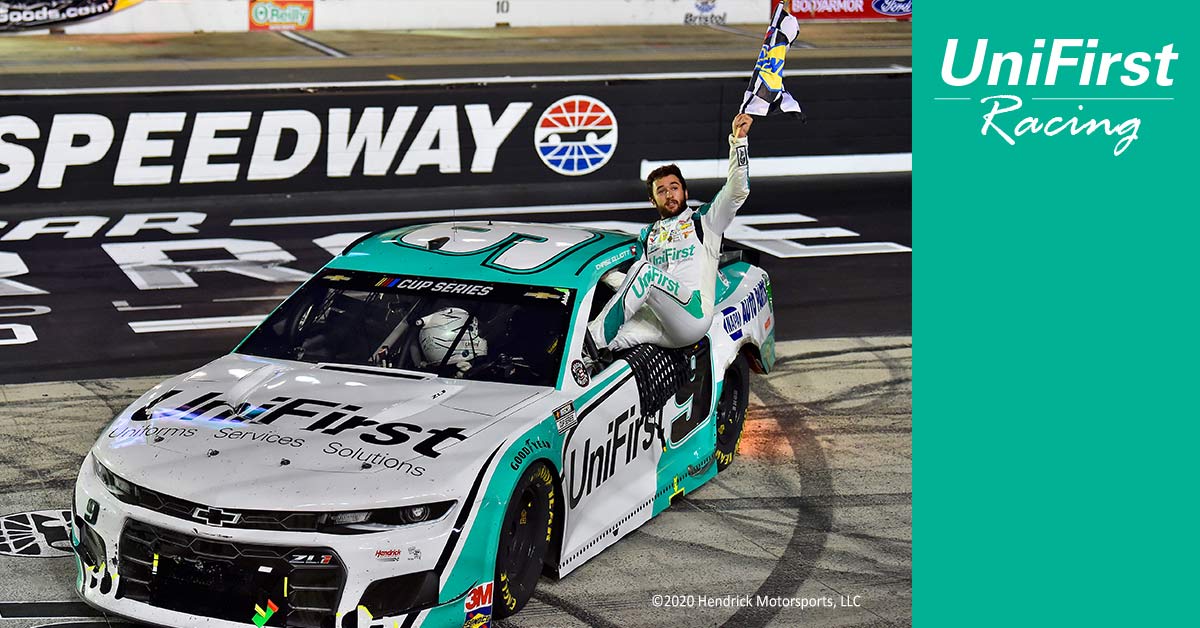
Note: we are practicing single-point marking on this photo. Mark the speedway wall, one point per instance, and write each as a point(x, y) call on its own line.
point(71, 146)
point(234, 15)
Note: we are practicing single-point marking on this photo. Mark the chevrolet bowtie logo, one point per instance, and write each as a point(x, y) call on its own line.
point(216, 516)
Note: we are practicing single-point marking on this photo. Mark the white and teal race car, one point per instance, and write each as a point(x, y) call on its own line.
point(412, 438)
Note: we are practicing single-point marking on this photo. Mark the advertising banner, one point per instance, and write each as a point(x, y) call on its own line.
point(847, 9)
point(281, 15)
point(128, 145)
point(19, 15)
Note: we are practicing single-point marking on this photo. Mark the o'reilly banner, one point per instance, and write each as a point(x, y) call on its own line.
point(70, 148)
point(18, 15)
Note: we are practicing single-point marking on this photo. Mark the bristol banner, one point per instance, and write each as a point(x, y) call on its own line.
point(18, 15)
point(847, 9)
point(138, 144)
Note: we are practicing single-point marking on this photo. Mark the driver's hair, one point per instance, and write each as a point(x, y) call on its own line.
point(661, 172)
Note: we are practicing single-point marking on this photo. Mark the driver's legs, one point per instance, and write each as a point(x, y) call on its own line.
point(678, 320)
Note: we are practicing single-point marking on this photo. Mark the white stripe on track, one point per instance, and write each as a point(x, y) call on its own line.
point(315, 45)
point(791, 166)
point(490, 212)
point(568, 78)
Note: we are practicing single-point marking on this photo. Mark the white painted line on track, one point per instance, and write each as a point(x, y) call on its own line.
point(315, 45)
point(567, 78)
point(191, 324)
point(490, 212)
point(791, 166)
point(124, 306)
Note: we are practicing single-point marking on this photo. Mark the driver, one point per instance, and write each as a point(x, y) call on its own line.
point(440, 330)
point(667, 297)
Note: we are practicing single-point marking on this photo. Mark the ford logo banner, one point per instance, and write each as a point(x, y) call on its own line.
point(892, 7)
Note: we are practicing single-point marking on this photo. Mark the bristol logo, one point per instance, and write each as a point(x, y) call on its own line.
point(576, 135)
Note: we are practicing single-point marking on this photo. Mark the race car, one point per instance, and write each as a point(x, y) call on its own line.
point(412, 438)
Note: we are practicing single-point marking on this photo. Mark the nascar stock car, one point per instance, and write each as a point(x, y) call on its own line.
point(413, 437)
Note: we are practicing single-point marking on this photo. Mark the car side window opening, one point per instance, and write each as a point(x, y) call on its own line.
point(450, 328)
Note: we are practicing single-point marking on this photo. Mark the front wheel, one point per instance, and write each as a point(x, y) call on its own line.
point(731, 411)
point(524, 539)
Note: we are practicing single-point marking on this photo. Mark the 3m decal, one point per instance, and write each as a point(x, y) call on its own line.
point(478, 606)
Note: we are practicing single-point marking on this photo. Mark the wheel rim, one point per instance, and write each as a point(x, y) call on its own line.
point(529, 520)
point(727, 415)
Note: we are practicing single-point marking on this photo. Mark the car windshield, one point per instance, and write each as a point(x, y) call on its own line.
point(452, 328)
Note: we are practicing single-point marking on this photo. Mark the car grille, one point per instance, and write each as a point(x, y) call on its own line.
point(227, 580)
point(280, 521)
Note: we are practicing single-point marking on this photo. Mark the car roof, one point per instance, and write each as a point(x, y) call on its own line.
point(560, 256)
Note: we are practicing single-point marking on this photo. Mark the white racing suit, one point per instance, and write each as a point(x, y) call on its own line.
point(675, 274)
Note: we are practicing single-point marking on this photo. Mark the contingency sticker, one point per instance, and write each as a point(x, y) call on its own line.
point(478, 606)
point(564, 416)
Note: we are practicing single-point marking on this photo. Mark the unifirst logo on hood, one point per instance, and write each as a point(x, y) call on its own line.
point(165, 147)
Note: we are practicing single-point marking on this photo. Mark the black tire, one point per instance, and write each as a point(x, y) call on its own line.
point(524, 540)
point(731, 411)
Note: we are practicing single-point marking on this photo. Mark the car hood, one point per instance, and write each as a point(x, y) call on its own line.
point(253, 433)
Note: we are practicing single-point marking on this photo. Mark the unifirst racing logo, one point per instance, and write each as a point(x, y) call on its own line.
point(654, 277)
point(673, 255)
point(576, 135)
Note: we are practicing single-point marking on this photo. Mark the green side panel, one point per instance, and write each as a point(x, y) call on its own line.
point(685, 468)
point(734, 273)
point(477, 560)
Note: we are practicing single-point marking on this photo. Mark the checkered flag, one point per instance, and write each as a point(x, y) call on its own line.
point(765, 94)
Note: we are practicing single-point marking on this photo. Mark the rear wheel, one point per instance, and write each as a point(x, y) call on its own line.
point(524, 539)
point(731, 411)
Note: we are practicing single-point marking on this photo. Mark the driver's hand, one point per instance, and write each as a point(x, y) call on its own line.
point(741, 124)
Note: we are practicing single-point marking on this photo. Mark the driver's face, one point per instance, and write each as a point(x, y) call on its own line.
point(670, 197)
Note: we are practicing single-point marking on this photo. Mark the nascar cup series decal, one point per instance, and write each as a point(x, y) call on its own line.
point(576, 135)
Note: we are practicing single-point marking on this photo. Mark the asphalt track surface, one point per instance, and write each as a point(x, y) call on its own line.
point(818, 505)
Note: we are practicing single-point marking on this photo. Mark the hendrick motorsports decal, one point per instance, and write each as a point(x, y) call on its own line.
point(34, 14)
point(39, 534)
